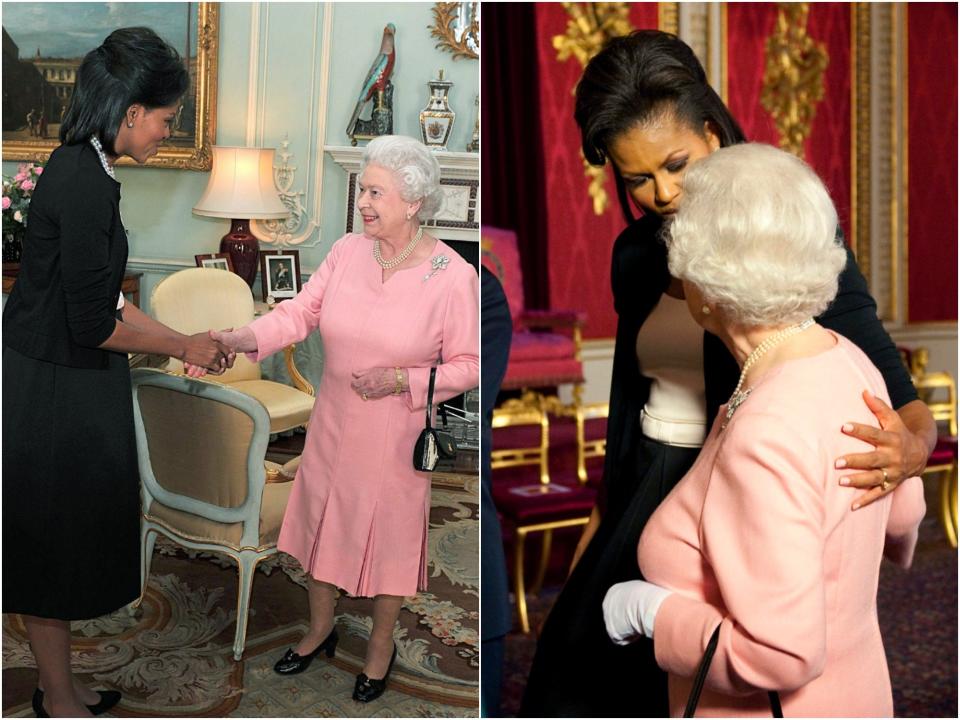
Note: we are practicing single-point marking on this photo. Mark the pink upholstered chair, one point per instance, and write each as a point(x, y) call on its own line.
point(544, 353)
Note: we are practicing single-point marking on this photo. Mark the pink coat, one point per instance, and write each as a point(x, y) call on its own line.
point(358, 511)
point(759, 539)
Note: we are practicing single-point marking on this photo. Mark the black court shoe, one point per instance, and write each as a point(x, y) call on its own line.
point(291, 663)
point(108, 698)
point(367, 689)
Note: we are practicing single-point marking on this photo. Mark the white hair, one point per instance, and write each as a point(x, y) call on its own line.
point(414, 167)
point(756, 234)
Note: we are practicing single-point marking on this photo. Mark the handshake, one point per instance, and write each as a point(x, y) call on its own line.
point(215, 351)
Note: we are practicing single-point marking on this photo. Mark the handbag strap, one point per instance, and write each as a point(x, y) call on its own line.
point(701, 677)
point(433, 377)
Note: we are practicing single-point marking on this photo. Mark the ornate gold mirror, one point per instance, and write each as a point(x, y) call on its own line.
point(457, 26)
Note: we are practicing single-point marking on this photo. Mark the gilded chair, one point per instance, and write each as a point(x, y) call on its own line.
point(544, 353)
point(939, 391)
point(201, 448)
point(543, 507)
point(198, 299)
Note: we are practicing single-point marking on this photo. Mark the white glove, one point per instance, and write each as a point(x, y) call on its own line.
point(629, 609)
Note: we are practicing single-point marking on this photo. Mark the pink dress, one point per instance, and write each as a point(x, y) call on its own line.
point(759, 539)
point(357, 514)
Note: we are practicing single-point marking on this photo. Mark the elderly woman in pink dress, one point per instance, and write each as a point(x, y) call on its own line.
point(389, 303)
point(759, 539)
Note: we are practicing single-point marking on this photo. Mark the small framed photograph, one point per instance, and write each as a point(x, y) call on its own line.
point(218, 261)
point(279, 274)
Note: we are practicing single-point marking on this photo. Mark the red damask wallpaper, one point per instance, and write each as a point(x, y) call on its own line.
point(580, 242)
point(827, 149)
point(932, 162)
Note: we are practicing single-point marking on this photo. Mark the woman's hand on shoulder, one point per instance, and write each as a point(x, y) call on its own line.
point(898, 454)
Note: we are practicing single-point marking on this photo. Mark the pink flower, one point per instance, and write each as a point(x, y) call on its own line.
point(22, 168)
point(20, 177)
point(6, 202)
point(27, 185)
point(38, 170)
point(18, 216)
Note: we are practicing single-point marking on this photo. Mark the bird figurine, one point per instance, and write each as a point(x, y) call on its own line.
point(377, 77)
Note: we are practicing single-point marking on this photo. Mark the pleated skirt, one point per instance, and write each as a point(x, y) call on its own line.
point(71, 506)
point(577, 670)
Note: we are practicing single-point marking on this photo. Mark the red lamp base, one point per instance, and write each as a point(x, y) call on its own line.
point(243, 248)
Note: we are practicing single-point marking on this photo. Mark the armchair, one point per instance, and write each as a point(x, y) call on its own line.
point(198, 299)
point(544, 352)
point(201, 448)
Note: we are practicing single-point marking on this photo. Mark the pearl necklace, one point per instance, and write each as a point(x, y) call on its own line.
point(737, 398)
point(95, 141)
point(396, 259)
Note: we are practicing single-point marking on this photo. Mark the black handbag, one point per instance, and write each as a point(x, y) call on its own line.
point(433, 444)
point(701, 676)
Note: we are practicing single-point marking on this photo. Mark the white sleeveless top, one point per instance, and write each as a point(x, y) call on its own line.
point(670, 353)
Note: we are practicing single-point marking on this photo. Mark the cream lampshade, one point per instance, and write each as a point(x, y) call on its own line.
point(241, 188)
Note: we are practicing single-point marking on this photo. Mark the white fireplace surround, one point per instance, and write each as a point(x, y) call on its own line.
point(458, 219)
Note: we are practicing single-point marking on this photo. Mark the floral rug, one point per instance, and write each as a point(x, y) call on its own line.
point(173, 656)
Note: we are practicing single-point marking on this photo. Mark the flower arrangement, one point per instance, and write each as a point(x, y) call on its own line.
point(17, 192)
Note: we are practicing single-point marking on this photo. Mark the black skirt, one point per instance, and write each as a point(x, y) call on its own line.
point(71, 505)
point(577, 670)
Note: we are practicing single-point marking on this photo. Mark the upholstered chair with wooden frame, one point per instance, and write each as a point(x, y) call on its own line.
point(939, 391)
point(201, 448)
point(544, 352)
point(200, 299)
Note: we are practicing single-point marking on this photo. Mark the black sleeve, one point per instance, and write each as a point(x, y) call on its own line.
point(86, 217)
point(853, 314)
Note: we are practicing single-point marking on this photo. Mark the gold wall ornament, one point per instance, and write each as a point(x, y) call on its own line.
point(793, 79)
point(457, 26)
point(589, 28)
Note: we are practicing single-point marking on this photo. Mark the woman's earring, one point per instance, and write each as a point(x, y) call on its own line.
point(129, 124)
point(705, 309)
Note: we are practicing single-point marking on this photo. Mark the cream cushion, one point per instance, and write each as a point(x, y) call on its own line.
point(198, 299)
point(275, 496)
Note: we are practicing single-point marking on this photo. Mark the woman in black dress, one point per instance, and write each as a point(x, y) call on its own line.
point(71, 505)
point(644, 102)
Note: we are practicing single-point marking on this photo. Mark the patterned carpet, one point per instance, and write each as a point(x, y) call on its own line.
point(173, 658)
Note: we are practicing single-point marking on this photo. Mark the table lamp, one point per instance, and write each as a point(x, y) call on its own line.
point(241, 189)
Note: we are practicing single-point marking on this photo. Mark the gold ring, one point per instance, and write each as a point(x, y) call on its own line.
point(885, 483)
point(363, 395)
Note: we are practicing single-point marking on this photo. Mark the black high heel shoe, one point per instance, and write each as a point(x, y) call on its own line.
point(367, 689)
point(291, 663)
point(108, 698)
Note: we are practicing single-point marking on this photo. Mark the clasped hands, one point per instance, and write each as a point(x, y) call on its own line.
point(378, 382)
point(215, 351)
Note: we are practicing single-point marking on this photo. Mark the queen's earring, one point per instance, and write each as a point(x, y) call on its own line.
point(705, 309)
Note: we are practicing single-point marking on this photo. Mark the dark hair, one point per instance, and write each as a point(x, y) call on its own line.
point(634, 79)
point(132, 66)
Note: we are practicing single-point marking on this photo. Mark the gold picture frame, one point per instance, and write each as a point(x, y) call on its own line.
point(199, 156)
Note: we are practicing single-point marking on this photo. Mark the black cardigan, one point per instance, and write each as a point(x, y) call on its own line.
point(64, 304)
point(639, 276)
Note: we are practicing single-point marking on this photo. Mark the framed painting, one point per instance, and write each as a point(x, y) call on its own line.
point(216, 261)
point(45, 42)
point(279, 274)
